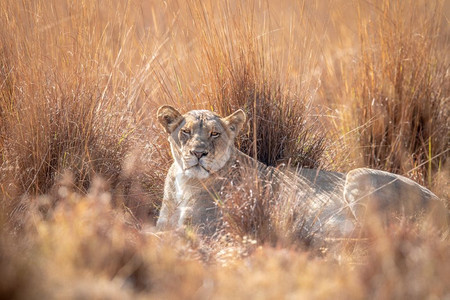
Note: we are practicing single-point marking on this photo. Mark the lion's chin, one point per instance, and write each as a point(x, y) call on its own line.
point(197, 171)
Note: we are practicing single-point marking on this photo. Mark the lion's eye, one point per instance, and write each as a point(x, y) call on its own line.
point(215, 134)
point(186, 131)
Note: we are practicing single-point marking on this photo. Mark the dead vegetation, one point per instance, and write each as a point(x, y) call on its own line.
point(336, 84)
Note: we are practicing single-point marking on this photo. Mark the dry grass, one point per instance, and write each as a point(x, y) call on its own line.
point(336, 84)
point(403, 103)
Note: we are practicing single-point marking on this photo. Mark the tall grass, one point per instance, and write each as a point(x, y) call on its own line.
point(334, 84)
point(402, 89)
point(69, 101)
point(244, 68)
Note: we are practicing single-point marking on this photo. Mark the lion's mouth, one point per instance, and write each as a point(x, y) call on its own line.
point(198, 165)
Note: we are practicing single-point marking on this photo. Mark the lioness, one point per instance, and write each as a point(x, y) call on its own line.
point(206, 161)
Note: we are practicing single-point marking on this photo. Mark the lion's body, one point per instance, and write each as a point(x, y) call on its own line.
point(206, 164)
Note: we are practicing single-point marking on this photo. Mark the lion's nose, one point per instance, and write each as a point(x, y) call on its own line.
point(199, 154)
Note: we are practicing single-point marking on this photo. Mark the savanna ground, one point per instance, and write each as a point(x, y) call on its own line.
point(335, 84)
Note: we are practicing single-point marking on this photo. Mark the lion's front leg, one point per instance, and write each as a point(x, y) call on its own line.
point(168, 207)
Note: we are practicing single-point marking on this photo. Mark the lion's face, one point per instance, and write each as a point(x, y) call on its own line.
point(201, 141)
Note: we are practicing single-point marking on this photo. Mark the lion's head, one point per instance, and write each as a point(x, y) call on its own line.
point(201, 141)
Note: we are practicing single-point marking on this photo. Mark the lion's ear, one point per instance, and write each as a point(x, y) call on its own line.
point(235, 121)
point(169, 118)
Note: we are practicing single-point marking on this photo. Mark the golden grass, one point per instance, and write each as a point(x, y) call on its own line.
point(337, 84)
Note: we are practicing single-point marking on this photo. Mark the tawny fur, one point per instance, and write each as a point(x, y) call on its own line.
point(207, 163)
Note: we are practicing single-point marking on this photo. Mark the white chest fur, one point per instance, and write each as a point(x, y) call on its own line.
point(182, 195)
point(180, 184)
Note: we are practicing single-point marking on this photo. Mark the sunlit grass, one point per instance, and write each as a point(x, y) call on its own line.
point(335, 84)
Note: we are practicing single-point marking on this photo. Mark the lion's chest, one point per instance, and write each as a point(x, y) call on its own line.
point(181, 196)
point(193, 199)
point(180, 184)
